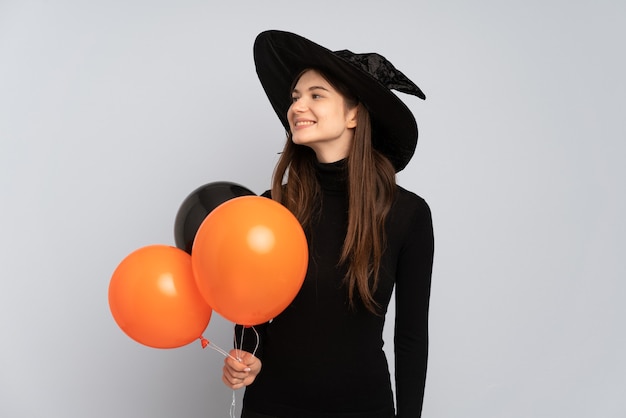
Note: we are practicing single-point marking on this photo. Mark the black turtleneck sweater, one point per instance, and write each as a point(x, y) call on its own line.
point(323, 359)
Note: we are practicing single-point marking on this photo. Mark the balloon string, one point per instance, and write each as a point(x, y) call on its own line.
point(256, 346)
point(239, 346)
point(206, 343)
point(232, 407)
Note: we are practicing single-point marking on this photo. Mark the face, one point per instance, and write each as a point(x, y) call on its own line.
point(320, 119)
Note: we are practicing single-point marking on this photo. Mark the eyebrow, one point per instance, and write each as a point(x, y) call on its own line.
point(311, 89)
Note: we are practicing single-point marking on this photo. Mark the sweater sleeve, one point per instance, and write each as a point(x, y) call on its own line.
point(411, 324)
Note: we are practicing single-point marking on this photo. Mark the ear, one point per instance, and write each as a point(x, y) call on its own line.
point(351, 117)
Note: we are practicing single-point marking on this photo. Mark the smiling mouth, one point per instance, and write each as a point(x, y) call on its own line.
point(304, 123)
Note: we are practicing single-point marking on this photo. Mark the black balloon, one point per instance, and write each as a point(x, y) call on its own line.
point(196, 207)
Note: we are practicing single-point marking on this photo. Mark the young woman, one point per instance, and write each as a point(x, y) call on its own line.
point(347, 136)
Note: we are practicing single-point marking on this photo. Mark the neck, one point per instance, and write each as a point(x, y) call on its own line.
point(332, 176)
point(331, 151)
point(330, 156)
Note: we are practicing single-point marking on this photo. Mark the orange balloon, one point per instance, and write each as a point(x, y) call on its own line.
point(154, 298)
point(249, 259)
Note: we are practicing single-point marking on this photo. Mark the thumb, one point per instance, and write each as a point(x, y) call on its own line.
point(247, 358)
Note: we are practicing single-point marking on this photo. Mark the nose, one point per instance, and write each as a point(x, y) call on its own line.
point(298, 106)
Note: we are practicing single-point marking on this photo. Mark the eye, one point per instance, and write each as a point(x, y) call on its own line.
point(316, 96)
point(294, 99)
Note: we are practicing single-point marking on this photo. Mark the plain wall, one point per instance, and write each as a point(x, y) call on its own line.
point(112, 112)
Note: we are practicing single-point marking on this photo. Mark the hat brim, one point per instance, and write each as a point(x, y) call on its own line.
point(279, 58)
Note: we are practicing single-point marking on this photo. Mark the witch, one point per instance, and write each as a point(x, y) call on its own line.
point(348, 134)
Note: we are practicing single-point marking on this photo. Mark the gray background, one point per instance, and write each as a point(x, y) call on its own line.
point(112, 112)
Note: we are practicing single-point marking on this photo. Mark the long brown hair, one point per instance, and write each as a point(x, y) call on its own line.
point(371, 186)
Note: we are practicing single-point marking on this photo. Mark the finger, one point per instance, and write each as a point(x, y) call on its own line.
point(236, 366)
point(235, 372)
point(242, 356)
point(247, 357)
point(230, 378)
point(233, 384)
point(228, 372)
point(253, 363)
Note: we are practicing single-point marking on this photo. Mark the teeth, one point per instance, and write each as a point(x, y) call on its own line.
point(306, 122)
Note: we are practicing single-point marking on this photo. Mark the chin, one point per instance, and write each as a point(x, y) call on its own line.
point(300, 141)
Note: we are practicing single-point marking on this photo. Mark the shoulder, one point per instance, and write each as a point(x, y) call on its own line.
point(410, 226)
point(407, 203)
point(409, 218)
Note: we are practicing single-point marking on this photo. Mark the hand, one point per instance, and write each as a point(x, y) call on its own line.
point(241, 372)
